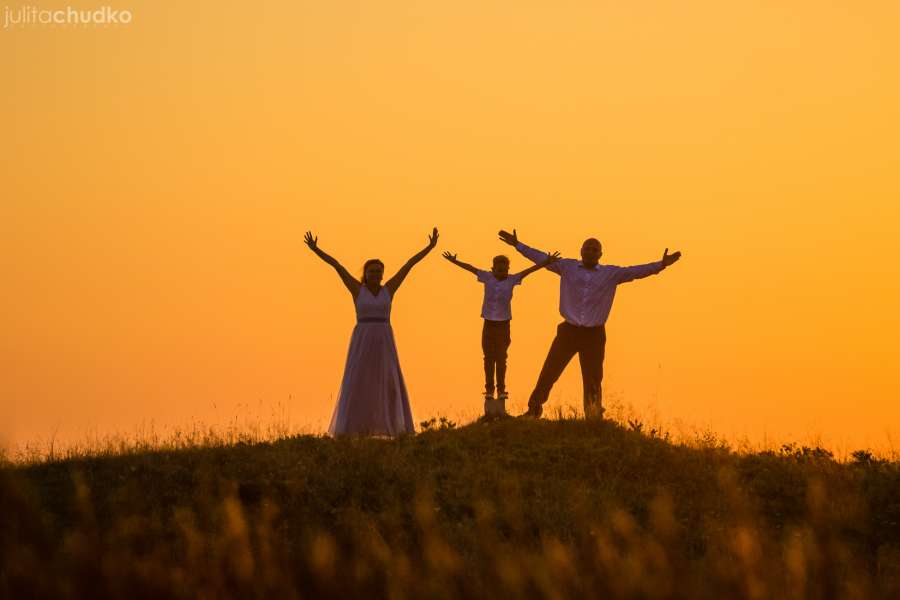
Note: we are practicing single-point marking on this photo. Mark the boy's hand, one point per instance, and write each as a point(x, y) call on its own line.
point(551, 258)
point(510, 238)
point(450, 257)
point(310, 240)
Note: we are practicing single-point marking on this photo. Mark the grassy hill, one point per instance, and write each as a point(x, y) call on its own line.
point(564, 508)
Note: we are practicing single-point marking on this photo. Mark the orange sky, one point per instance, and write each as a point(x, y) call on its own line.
point(158, 177)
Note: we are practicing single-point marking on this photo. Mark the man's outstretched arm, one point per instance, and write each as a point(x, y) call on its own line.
point(535, 256)
point(626, 274)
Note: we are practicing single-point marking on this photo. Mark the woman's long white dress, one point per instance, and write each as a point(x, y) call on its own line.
point(373, 398)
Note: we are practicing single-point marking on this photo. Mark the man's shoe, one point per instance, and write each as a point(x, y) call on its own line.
point(594, 411)
point(532, 413)
point(502, 395)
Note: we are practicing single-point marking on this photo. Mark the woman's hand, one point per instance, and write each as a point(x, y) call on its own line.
point(310, 240)
point(433, 238)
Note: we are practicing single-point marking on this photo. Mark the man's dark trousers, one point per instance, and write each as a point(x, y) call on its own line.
point(495, 343)
point(590, 344)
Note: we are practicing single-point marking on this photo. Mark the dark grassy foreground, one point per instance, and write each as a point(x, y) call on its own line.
point(519, 509)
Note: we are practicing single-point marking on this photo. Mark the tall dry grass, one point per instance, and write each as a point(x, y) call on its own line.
point(557, 508)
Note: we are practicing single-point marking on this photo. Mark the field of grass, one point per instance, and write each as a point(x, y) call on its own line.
point(552, 508)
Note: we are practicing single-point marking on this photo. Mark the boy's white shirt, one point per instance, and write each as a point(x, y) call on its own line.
point(497, 305)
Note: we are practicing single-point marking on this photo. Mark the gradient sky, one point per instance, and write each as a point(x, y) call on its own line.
point(158, 177)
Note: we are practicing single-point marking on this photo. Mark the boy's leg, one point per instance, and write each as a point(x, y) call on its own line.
point(489, 361)
point(561, 352)
point(503, 341)
point(591, 350)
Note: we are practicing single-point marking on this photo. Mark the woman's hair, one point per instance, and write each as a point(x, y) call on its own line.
point(371, 261)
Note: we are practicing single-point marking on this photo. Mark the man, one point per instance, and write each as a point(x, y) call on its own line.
point(586, 292)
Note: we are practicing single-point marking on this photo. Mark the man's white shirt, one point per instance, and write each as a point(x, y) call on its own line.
point(586, 295)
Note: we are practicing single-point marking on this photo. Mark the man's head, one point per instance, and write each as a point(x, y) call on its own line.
point(591, 251)
point(500, 267)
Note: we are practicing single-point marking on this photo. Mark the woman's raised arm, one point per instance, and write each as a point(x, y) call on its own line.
point(350, 282)
point(394, 282)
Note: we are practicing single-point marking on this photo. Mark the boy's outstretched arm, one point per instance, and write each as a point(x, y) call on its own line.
point(551, 258)
point(459, 263)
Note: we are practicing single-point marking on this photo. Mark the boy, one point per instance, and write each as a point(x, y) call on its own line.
point(496, 312)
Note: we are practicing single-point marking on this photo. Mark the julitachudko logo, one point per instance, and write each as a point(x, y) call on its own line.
point(29, 15)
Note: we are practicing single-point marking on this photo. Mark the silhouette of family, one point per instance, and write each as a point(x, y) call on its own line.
point(373, 399)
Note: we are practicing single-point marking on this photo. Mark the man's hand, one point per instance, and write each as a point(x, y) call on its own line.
point(551, 258)
point(433, 238)
point(510, 238)
point(450, 257)
point(668, 259)
point(310, 240)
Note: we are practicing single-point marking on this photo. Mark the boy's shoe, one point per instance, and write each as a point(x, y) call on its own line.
point(502, 395)
point(495, 408)
point(488, 403)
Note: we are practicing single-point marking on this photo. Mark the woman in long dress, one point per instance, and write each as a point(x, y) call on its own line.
point(373, 398)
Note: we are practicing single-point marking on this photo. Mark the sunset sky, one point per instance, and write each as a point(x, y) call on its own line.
point(158, 177)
